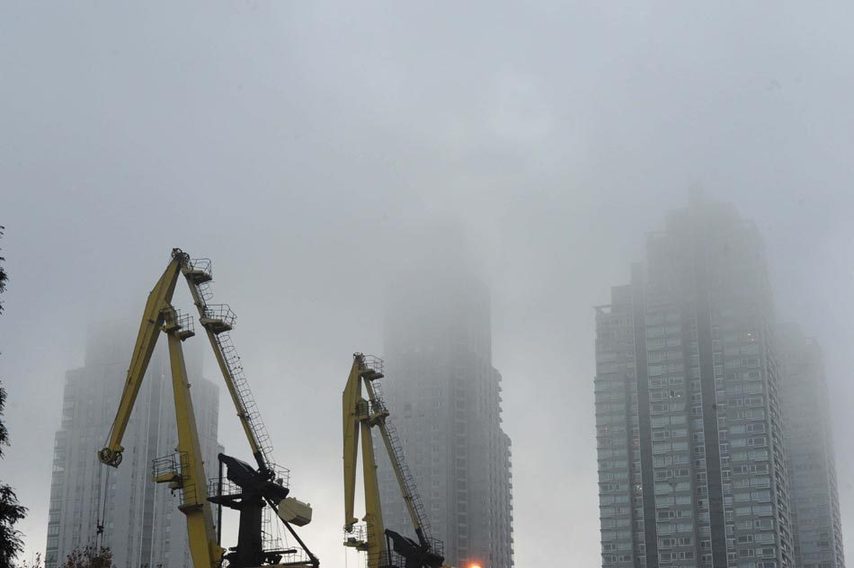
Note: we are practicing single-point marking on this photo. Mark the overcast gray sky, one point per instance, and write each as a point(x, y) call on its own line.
point(306, 146)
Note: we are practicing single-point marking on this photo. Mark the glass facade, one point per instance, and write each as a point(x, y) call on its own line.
point(692, 465)
point(815, 502)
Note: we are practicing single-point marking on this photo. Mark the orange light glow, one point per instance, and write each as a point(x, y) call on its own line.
point(474, 565)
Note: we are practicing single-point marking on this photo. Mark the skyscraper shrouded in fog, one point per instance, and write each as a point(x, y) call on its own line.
point(445, 401)
point(142, 524)
point(815, 502)
point(691, 456)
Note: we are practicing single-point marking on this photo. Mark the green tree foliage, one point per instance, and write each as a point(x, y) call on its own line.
point(87, 557)
point(36, 562)
point(90, 557)
point(10, 510)
point(10, 513)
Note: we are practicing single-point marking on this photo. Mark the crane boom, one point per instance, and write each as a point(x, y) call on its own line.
point(360, 415)
point(158, 304)
point(186, 470)
point(160, 316)
point(357, 419)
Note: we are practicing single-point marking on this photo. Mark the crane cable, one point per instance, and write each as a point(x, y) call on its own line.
point(103, 497)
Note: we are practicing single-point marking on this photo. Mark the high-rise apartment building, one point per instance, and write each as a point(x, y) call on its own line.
point(815, 503)
point(141, 521)
point(691, 457)
point(445, 399)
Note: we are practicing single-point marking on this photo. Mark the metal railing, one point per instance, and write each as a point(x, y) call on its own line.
point(220, 312)
point(373, 363)
point(175, 464)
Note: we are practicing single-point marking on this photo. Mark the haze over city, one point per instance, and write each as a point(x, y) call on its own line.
point(317, 151)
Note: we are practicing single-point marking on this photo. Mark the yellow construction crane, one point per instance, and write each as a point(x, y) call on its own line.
point(385, 548)
point(249, 489)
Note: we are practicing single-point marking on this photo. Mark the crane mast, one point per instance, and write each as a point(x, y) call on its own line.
point(190, 478)
point(382, 545)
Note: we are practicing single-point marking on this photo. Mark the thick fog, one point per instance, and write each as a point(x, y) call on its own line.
point(310, 149)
